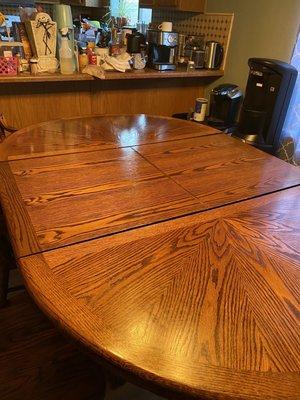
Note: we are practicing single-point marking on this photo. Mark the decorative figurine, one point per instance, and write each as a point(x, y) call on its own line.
point(42, 32)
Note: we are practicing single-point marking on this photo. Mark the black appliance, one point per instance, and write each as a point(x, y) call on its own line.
point(135, 42)
point(225, 102)
point(268, 93)
point(162, 49)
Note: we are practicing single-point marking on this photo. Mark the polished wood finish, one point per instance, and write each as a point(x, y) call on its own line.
point(203, 306)
point(45, 77)
point(146, 73)
point(220, 169)
point(149, 73)
point(134, 186)
point(38, 363)
point(84, 179)
point(100, 193)
point(72, 135)
point(22, 234)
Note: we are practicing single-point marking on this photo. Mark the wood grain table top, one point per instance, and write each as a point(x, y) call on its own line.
point(203, 306)
point(167, 248)
point(72, 135)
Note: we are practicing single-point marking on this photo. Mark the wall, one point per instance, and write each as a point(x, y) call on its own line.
point(261, 28)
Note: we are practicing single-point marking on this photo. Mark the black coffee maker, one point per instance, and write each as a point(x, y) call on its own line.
point(136, 42)
point(162, 49)
point(225, 103)
point(268, 93)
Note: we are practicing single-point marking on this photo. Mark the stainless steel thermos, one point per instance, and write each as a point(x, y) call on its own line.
point(213, 55)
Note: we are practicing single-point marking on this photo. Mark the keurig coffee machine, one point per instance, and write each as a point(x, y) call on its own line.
point(225, 102)
point(268, 93)
point(162, 49)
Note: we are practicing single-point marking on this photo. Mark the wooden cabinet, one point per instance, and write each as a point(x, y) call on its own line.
point(147, 3)
point(192, 5)
point(87, 3)
point(180, 5)
point(165, 3)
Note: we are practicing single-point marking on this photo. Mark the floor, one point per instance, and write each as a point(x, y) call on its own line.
point(38, 363)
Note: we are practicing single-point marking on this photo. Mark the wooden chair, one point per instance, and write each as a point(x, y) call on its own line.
point(6, 256)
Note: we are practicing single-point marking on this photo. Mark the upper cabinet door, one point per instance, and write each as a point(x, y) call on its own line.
point(180, 5)
point(166, 3)
point(192, 5)
point(147, 3)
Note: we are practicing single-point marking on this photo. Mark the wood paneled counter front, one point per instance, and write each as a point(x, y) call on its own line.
point(166, 248)
point(27, 100)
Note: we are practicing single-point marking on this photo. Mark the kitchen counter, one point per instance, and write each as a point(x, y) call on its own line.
point(26, 100)
point(114, 75)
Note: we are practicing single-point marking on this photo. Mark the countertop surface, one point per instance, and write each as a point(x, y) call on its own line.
point(114, 75)
point(166, 248)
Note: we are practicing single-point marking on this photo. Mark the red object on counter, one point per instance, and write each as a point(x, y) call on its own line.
point(8, 66)
point(91, 57)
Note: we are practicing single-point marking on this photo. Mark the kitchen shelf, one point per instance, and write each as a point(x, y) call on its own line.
point(23, 78)
point(153, 74)
point(114, 75)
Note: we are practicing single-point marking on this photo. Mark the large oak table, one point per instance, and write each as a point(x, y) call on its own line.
point(169, 250)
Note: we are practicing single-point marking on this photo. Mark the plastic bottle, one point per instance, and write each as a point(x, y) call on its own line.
point(65, 54)
point(83, 60)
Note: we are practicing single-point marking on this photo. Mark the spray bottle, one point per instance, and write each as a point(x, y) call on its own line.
point(65, 54)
